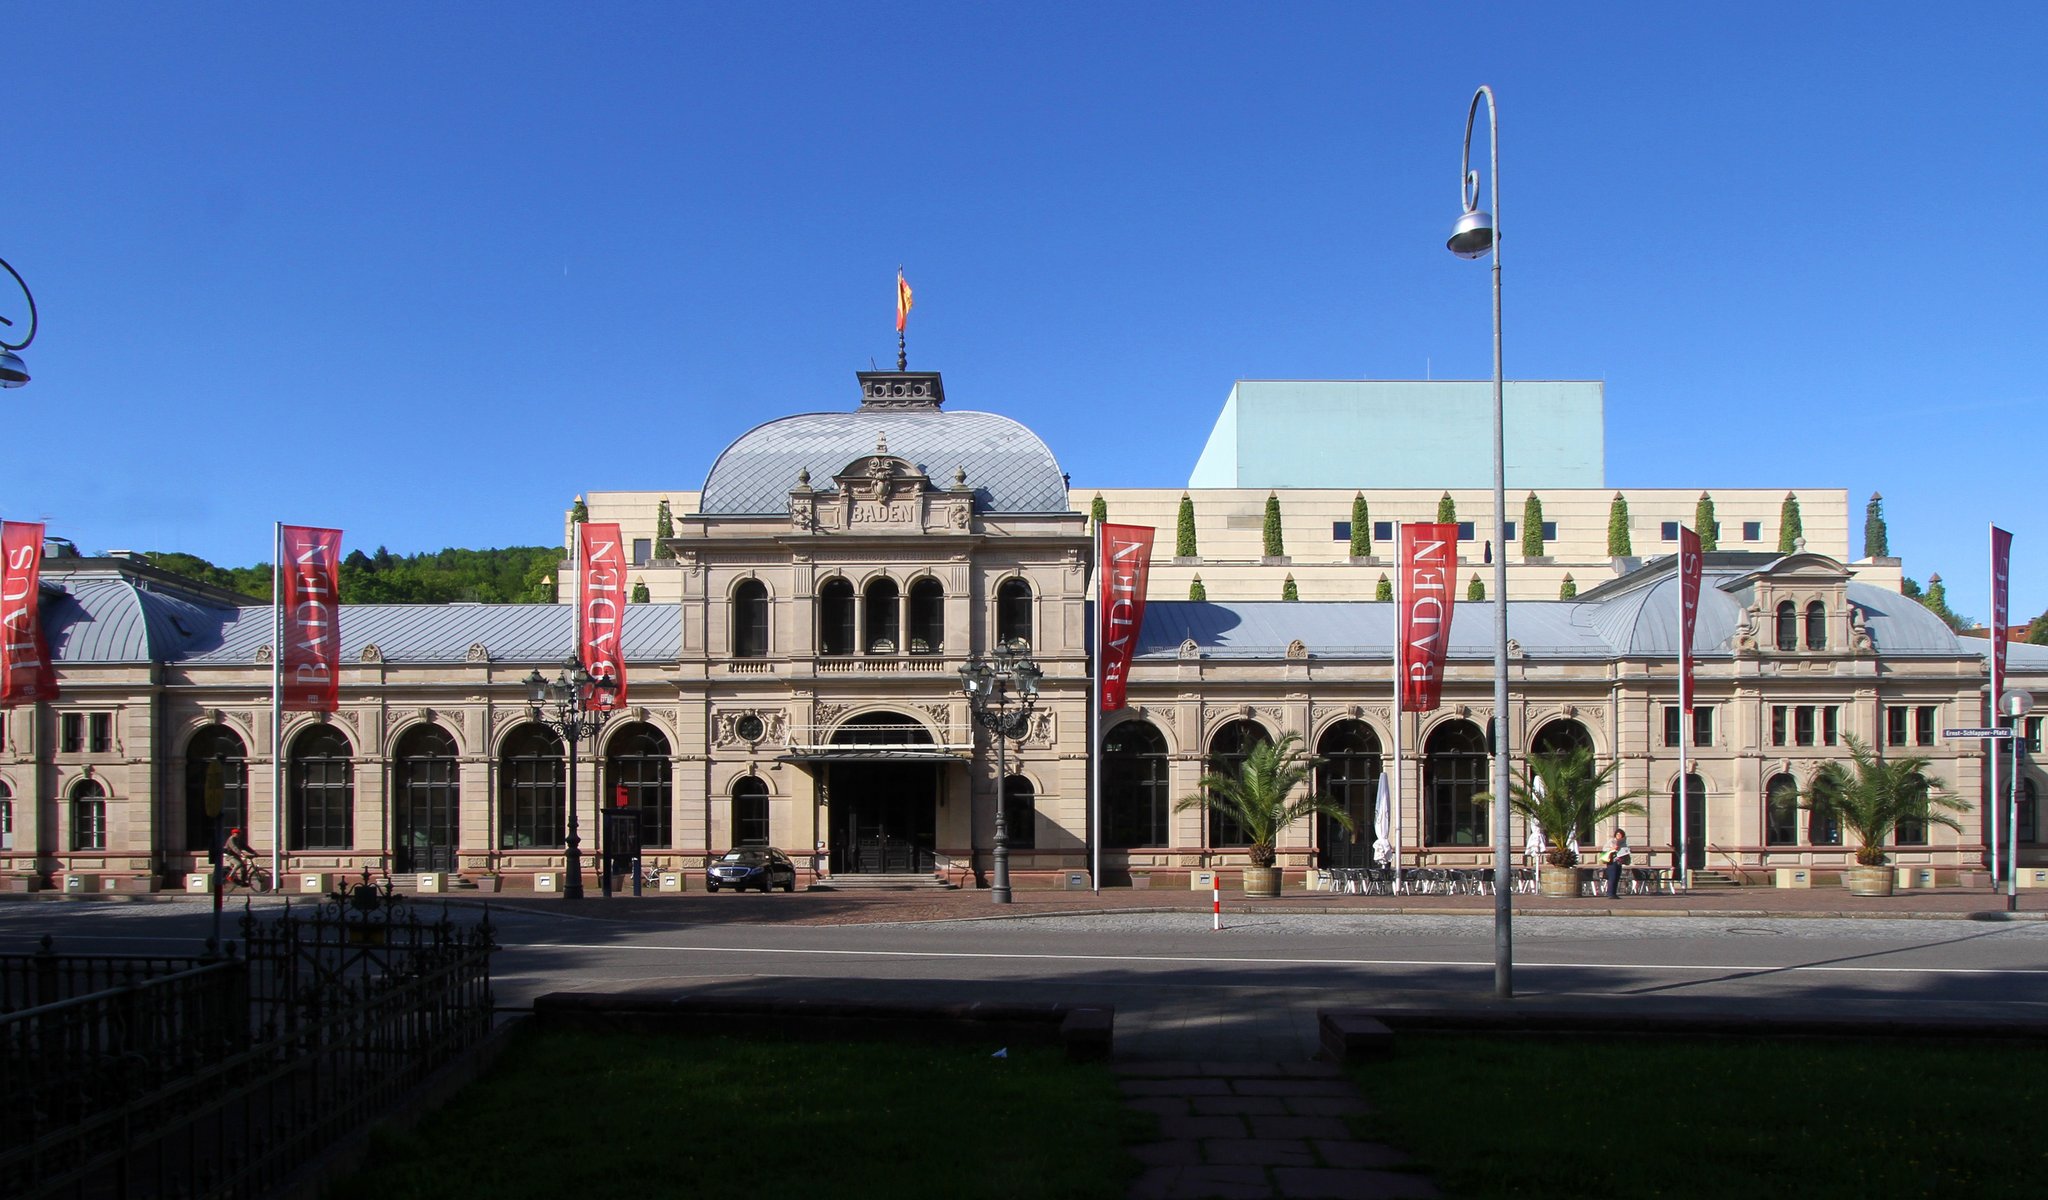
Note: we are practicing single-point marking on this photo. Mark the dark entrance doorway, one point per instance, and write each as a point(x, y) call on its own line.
point(884, 817)
point(425, 798)
point(1695, 820)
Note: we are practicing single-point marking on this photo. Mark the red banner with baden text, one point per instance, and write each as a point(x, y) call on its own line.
point(2001, 572)
point(1688, 610)
point(1429, 567)
point(601, 612)
point(310, 607)
point(1120, 605)
point(25, 673)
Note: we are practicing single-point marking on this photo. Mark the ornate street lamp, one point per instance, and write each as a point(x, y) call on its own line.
point(989, 683)
point(567, 697)
point(14, 372)
point(1475, 234)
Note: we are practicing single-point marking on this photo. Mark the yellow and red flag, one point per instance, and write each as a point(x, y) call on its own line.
point(902, 301)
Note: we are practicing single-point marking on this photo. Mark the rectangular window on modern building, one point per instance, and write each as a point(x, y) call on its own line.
point(99, 737)
point(71, 733)
point(1340, 531)
point(1465, 533)
point(1923, 725)
point(1752, 531)
point(642, 549)
point(1802, 725)
point(1777, 725)
point(1550, 531)
point(1670, 531)
point(1702, 725)
point(1895, 726)
point(1508, 531)
point(1671, 725)
point(1382, 531)
point(1830, 725)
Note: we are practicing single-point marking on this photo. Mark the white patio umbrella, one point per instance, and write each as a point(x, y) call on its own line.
point(1382, 826)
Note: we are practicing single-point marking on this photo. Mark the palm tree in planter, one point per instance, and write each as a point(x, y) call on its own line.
point(1561, 793)
point(1871, 800)
point(1259, 796)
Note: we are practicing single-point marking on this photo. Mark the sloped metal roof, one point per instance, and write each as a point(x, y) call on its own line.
point(443, 633)
point(111, 619)
point(1349, 629)
point(1008, 467)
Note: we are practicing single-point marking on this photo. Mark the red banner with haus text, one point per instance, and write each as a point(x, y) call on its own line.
point(310, 607)
point(601, 611)
point(1120, 605)
point(1688, 610)
point(1429, 566)
point(25, 673)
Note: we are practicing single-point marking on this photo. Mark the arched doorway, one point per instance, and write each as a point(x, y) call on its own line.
point(210, 743)
point(1349, 775)
point(1232, 744)
point(1453, 775)
point(1560, 738)
point(426, 797)
point(883, 795)
point(1135, 801)
point(1695, 821)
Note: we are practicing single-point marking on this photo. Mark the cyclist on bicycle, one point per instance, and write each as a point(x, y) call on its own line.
point(243, 869)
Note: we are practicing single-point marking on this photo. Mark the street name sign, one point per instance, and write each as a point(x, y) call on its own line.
point(1999, 732)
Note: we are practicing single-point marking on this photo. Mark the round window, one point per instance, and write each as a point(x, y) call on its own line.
point(749, 728)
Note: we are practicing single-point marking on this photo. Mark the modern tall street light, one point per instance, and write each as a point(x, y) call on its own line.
point(14, 372)
point(573, 720)
point(1475, 235)
point(988, 683)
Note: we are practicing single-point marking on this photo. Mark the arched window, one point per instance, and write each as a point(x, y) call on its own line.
point(1453, 772)
point(6, 818)
point(88, 815)
point(1135, 802)
point(882, 729)
point(1020, 813)
point(639, 771)
point(200, 752)
point(835, 617)
point(530, 790)
point(927, 616)
point(1823, 830)
point(750, 811)
point(885, 618)
point(323, 791)
point(426, 796)
point(1788, 625)
point(1227, 751)
point(1781, 811)
point(1350, 775)
point(1561, 736)
point(1013, 614)
point(1816, 626)
point(750, 619)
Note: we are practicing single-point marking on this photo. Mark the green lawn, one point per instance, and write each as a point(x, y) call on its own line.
point(593, 1116)
point(1637, 1118)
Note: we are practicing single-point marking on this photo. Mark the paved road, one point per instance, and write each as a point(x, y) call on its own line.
point(1251, 991)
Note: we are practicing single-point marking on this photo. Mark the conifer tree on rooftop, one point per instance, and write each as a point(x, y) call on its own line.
point(1196, 591)
point(1618, 543)
point(1569, 588)
point(1384, 590)
point(1476, 590)
point(579, 512)
point(664, 529)
point(1184, 529)
point(639, 594)
point(1288, 591)
point(1361, 527)
point(1876, 541)
point(1532, 527)
point(1704, 524)
point(1791, 530)
point(1446, 510)
point(1274, 546)
point(1098, 511)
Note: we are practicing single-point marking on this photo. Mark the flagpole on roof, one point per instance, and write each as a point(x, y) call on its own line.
point(277, 763)
point(1400, 644)
point(1095, 724)
point(902, 319)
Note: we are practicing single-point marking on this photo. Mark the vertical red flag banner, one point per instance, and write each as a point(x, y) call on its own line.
point(1689, 610)
point(2001, 571)
point(600, 611)
point(25, 674)
point(311, 603)
point(1429, 566)
point(1120, 605)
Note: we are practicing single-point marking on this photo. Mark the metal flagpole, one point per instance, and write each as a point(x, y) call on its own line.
point(277, 763)
point(1991, 750)
point(1679, 835)
point(1400, 640)
point(1095, 726)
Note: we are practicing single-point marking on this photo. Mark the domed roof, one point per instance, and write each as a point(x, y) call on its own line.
point(1007, 465)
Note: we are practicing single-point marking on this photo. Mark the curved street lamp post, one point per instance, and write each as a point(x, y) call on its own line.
point(14, 372)
point(567, 697)
point(989, 682)
point(1475, 235)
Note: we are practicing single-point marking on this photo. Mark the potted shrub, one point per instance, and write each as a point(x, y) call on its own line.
point(1259, 796)
point(1870, 799)
point(1561, 793)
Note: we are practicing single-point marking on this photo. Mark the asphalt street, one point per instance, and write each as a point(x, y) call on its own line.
point(1249, 991)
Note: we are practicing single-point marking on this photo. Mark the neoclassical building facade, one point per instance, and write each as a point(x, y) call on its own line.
point(801, 689)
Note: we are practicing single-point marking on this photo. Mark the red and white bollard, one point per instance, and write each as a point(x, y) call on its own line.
point(1216, 900)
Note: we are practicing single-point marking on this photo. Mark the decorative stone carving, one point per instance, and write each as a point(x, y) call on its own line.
point(1570, 710)
point(940, 714)
point(957, 515)
point(1040, 732)
point(1297, 649)
point(828, 713)
point(263, 653)
point(1188, 649)
point(478, 653)
point(372, 653)
point(1859, 633)
point(1514, 648)
point(350, 717)
point(1745, 630)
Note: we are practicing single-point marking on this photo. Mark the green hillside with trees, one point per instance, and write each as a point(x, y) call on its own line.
point(512, 575)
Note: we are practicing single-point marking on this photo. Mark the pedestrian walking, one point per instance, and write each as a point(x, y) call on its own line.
point(1617, 858)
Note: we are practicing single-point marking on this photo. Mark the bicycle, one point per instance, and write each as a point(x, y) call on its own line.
point(252, 876)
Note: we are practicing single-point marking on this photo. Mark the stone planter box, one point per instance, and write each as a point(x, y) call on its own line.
point(1560, 883)
point(1262, 881)
point(1869, 881)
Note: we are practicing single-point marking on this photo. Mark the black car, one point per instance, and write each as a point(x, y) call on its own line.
point(762, 867)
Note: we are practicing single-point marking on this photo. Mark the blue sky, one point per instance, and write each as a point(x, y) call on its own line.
point(427, 271)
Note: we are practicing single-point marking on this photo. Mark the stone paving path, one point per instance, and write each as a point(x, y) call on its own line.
point(1233, 1129)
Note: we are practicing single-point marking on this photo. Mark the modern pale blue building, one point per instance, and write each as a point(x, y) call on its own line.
point(1329, 433)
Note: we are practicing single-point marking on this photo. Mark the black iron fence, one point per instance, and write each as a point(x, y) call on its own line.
point(226, 1075)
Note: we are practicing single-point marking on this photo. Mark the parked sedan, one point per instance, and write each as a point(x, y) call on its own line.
point(762, 867)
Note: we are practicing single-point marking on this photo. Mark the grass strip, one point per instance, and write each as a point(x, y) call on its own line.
point(598, 1115)
point(1639, 1118)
